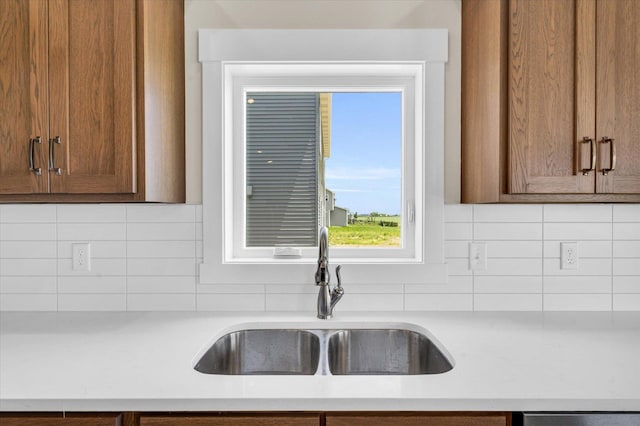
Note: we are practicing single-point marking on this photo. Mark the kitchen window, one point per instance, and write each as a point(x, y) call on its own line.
point(255, 79)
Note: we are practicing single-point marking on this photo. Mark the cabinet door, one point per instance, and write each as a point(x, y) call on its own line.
point(36, 419)
point(435, 419)
point(231, 420)
point(23, 94)
point(92, 96)
point(618, 96)
point(551, 95)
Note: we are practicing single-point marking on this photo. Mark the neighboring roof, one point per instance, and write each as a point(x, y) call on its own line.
point(325, 122)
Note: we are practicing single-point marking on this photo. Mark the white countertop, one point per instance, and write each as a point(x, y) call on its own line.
point(143, 362)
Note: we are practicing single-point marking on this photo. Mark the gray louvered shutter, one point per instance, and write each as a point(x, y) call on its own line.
point(282, 156)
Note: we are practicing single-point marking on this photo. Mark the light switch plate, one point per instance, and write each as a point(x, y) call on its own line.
point(478, 256)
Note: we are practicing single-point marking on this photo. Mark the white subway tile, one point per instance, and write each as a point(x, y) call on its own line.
point(626, 284)
point(585, 267)
point(626, 267)
point(161, 267)
point(507, 231)
point(458, 213)
point(199, 236)
point(91, 231)
point(507, 302)
point(231, 302)
point(161, 285)
point(232, 289)
point(103, 285)
point(161, 249)
point(161, 213)
point(28, 302)
point(456, 284)
point(28, 267)
point(438, 302)
point(586, 249)
point(531, 267)
point(161, 302)
point(99, 267)
point(293, 302)
point(458, 231)
point(98, 249)
point(371, 302)
point(507, 284)
point(626, 231)
point(44, 284)
point(623, 249)
point(507, 213)
point(28, 232)
point(28, 213)
point(198, 212)
point(456, 249)
point(626, 302)
point(92, 302)
point(371, 288)
point(91, 213)
point(585, 284)
point(626, 212)
point(511, 249)
point(27, 249)
point(199, 249)
point(458, 267)
point(161, 231)
point(578, 213)
point(577, 302)
point(577, 231)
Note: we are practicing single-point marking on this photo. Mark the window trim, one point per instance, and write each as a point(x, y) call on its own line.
point(426, 47)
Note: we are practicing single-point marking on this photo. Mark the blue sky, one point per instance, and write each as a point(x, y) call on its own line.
point(366, 138)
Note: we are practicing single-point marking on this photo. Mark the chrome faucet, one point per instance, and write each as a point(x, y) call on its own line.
point(327, 298)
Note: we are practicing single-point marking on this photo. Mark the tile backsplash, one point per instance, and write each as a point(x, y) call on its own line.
point(145, 257)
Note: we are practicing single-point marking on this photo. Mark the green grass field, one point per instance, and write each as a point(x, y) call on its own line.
point(366, 234)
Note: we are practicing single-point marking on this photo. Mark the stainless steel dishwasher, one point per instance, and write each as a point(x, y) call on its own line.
point(580, 419)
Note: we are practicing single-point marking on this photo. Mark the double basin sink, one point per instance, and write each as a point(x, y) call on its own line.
point(344, 351)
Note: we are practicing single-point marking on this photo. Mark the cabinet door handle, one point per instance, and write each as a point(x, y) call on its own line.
point(32, 148)
point(52, 166)
point(612, 154)
point(592, 155)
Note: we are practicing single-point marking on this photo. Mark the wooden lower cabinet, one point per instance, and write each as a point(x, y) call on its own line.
point(261, 419)
point(418, 419)
point(59, 419)
point(228, 419)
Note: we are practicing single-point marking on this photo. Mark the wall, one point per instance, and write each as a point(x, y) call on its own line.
point(145, 257)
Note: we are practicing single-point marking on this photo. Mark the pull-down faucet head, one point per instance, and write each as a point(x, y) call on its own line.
point(327, 298)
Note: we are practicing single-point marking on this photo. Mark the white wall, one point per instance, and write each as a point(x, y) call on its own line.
point(321, 14)
point(145, 258)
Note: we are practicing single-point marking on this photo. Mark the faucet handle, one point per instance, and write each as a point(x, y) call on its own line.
point(339, 285)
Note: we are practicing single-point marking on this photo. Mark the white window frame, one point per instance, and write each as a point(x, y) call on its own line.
point(237, 61)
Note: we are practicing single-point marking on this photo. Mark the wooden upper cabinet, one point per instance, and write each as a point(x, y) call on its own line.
point(84, 75)
point(536, 124)
point(92, 98)
point(618, 96)
point(24, 118)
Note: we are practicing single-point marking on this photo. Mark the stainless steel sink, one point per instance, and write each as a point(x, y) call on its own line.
point(349, 351)
point(270, 351)
point(384, 351)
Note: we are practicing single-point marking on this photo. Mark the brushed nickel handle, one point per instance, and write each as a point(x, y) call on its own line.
point(32, 148)
point(612, 153)
point(592, 152)
point(52, 166)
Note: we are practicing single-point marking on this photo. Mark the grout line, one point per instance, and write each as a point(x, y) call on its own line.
point(126, 259)
point(611, 277)
point(57, 260)
point(473, 273)
point(543, 257)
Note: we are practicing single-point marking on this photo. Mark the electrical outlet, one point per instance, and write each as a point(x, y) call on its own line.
point(569, 255)
point(81, 256)
point(478, 256)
